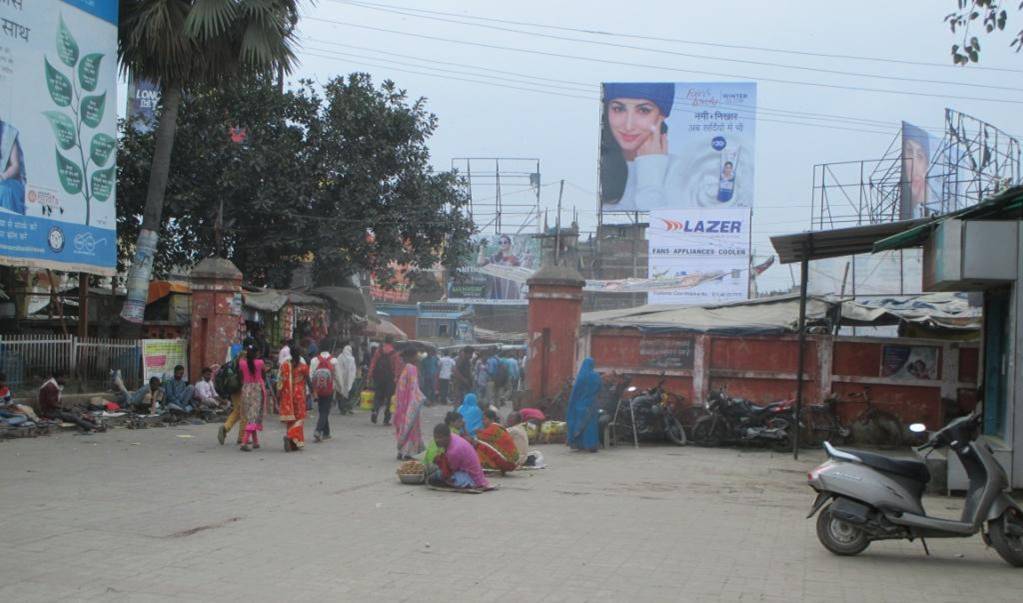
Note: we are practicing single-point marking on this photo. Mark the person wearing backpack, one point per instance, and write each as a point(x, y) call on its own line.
point(383, 372)
point(322, 375)
point(228, 382)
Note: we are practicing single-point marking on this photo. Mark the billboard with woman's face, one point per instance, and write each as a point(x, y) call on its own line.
point(677, 146)
point(916, 196)
point(497, 272)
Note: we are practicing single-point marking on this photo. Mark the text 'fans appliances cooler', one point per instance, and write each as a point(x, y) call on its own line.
point(708, 248)
point(58, 89)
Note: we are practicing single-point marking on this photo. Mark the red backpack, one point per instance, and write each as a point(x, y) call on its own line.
point(323, 377)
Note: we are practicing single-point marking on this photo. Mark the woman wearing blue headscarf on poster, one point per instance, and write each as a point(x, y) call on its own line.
point(12, 170)
point(582, 409)
point(637, 171)
point(470, 411)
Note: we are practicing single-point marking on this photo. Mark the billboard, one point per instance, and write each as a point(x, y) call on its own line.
point(497, 272)
point(58, 88)
point(143, 101)
point(710, 247)
point(677, 145)
point(917, 199)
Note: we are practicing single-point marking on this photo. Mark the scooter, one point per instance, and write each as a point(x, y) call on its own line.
point(874, 497)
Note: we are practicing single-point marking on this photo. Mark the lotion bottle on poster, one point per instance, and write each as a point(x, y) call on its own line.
point(726, 175)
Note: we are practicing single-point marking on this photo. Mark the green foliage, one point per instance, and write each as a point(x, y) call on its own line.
point(992, 16)
point(316, 174)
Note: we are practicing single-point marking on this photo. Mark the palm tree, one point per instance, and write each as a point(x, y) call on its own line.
point(184, 43)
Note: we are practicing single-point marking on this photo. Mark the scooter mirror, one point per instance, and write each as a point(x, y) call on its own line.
point(632, 388)
point(918, 428)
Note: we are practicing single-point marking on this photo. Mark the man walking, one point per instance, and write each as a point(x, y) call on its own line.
point(384, 370)
point(444, 373)
point(322, 375)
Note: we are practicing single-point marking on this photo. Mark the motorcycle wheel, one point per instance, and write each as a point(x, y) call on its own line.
point(786, 443)
point(1009, 545)
point(673, 429)
point(705, 432)
point(840, 537)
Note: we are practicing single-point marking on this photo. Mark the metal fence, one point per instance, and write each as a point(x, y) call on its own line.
point(28, 360)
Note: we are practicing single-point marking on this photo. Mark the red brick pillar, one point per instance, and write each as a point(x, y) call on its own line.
point(555, 313)
point(216, 313)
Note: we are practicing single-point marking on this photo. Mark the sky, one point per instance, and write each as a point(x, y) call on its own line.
point(547, 107)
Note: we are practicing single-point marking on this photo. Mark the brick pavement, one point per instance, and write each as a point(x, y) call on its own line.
point(150, 515)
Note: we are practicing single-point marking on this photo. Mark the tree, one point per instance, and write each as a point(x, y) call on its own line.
point(184, 44)
point(991, 14)
point(342, 177)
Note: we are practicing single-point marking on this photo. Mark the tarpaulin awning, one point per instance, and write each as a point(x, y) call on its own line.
point(272, 300)
point(820, 244)
point(936, 310)
point(161, 289)
point(763, 316)
point(383, 329)
point(349, 299)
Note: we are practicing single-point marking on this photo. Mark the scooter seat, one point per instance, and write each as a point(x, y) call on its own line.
point(914, 470)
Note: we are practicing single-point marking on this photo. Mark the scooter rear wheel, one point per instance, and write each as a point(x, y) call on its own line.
point(1009, 545)
point(840, 537)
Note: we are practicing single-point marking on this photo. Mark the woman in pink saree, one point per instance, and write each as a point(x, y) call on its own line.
point(409, 402)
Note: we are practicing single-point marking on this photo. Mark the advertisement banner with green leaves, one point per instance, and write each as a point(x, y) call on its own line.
point(58, 122)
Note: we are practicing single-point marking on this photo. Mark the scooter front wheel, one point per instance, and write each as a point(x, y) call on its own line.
point(1006, 535)
point(840, 537)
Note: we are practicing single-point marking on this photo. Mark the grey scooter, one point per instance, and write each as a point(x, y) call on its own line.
point(874, 497)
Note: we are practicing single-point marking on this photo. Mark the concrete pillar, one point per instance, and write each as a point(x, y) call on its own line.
point(216, 313)
point(555, 313)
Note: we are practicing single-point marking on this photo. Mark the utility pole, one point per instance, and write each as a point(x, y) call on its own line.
point(557, 235)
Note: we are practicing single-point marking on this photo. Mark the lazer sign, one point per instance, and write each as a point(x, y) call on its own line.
point(708, 226)
point(710, 246)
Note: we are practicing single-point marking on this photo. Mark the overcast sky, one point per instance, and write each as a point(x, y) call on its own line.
point(559, 124)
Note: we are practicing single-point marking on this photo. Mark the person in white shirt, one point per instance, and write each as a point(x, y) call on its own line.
point(285, 352)
point(346, 372)
point(206, 393)
point(446, 370)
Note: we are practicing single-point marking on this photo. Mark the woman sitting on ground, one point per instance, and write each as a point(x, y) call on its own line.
point(458, 466)
point(456, 424)
point(473, 415)
point(495, 447)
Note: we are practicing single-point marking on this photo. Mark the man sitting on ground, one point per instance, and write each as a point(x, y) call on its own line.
point(51, 408)
point(458, 466)
point(206, 394)
point(178, 393)
point(11, 412)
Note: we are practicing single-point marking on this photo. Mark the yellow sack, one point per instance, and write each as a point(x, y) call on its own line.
point(366, 400)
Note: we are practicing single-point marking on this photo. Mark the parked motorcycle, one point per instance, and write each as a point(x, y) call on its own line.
point(873, 497)
point(739, 421)
point(647, 416)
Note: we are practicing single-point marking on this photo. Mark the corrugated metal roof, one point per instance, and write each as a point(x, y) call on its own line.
point(840, 242)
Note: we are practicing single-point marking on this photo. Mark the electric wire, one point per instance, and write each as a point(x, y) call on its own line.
point(682, 54)
point(664, 67)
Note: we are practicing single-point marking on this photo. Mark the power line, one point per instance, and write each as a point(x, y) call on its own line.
point(666, 68)
point(341, 56)
point(677, 53)
point(596, 32)
point(589, 87)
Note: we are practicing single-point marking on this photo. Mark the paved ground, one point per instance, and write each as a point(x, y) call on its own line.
point(168, 514)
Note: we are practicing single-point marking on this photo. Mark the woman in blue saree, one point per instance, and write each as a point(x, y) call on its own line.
point(12, 170)
point(582, 409)
point(473, 415)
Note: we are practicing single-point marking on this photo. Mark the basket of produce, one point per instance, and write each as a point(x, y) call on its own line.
point(412, 472)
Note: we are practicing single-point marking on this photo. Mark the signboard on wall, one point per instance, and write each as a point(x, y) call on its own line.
point(160, 356)
point(667, 145)
point(58, 128)
point(665, 353)
point(710, 246)
point(909, 362)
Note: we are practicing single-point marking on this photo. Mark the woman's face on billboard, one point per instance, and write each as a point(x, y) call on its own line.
point(633, 121)
point(914, 159)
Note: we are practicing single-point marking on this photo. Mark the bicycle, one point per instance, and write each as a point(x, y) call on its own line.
point(875, 426)
point(820, 423)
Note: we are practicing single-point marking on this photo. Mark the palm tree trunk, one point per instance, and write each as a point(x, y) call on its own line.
point(141, 270)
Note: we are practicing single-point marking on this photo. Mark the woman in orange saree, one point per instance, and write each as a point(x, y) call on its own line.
point(293, 374)
point(495, 446)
